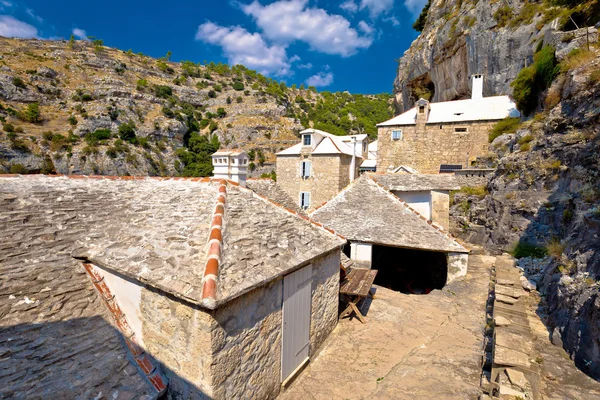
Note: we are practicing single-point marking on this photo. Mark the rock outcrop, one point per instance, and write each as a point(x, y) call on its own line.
point(462, 38)
point(544, 205)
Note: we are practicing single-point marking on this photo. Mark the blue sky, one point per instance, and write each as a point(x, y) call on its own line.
point(334, 45)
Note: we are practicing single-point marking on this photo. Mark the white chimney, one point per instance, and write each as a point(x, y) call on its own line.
point(477, 87)
point(353, 163)
point(231, 165)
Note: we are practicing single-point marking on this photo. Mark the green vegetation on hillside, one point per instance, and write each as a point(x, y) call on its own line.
point(533, 80)
point(419, 24)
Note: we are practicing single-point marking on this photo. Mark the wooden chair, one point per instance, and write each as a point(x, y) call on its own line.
point(356, 285)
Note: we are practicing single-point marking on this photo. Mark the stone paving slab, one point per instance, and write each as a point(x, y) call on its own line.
point(412, 347)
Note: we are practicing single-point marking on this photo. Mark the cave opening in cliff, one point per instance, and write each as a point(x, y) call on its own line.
point(422, 88)
point(409, 271)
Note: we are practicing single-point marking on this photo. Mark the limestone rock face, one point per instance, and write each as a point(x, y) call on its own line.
point(547, 195)
point(462, 39)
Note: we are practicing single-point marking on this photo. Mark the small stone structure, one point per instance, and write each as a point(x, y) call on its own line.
point(230, 164)
point(429, 195)
point(189, 280)
point(368, 215)
point(315, 170)
point(433, 134)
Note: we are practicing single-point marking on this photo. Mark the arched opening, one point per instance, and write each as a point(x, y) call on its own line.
point(408, 270)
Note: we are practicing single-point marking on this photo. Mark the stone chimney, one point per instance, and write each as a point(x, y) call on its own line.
point(477, 87)
point(422, 107)
point(231, 165)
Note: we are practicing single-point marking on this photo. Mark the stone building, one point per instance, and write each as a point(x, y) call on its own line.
point(132, 287)
point(427, 194)
point(322, 164)
point(432, 135)
point(411, 254)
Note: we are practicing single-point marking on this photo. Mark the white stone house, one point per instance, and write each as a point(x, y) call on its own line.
point(370, 163)
point(435, 137)
point(231, 165)
point(192, 286)
point(322, 164)
point(411, 253)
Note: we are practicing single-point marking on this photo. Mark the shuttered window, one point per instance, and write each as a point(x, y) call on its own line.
point(304, 200)
point(305, 169)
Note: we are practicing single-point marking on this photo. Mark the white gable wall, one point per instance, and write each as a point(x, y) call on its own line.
point(419, 201)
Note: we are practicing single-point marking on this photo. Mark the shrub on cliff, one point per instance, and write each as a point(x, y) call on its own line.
point(506, 125)
point(533, 80)
point(419, 24)
point(503, 15)
point(31, 113)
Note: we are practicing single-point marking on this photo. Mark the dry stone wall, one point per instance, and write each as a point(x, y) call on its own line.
point(246, 349)
point(325, 292)
point(179, 336)
point(425, 149)
point(440, 209)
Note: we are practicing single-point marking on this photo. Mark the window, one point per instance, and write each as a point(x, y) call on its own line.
point(421, 109)
point(459, 130)
point(304, 200)
point(306, 140)
point(397, 134)
point(305, 169)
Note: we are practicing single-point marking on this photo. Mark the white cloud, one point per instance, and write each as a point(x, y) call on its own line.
point(286, 21)
point(80, 34)
point(294, 58)
point(243, 47)
point(320, 79)
point(34, 15)
point(6, 3)
point(393, 20)
point(305, 66)
point(415, 6)
point(377, 7)
point(366, 28)
point(11, 27)
point(350, 6)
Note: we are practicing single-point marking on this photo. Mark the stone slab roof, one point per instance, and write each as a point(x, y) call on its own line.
point(366, 212)
point(483, 109)
point(56, 337)
point(162, 232)
point(416, 182)
point(270, 189)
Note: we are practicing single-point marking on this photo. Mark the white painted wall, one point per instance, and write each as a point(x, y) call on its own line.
point(419, 201)
point(361, 252)
point(129, 297)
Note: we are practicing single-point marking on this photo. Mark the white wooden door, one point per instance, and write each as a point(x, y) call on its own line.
point(296, 320)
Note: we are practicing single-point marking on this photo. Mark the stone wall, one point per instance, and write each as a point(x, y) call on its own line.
point(325, 294)
point(440, 208)
point(179, 336)
point(426, 148)
point(247, 341)
point(457, 265)
point(329, 175)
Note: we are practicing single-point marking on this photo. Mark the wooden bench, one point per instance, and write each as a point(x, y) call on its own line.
point(356, 285)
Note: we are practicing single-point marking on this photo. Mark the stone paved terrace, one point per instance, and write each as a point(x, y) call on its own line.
point(412, 347)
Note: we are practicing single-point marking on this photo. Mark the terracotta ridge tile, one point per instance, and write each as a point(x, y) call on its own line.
point(152, 372)
point(215, 246)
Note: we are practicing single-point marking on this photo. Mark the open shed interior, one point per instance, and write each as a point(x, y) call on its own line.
point(408, 270)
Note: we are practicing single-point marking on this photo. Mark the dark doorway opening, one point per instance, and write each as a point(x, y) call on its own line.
point(409, 271)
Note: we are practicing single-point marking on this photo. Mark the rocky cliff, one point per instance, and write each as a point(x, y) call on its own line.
point(82, 108)
point(465, 37)
point(543, 205)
